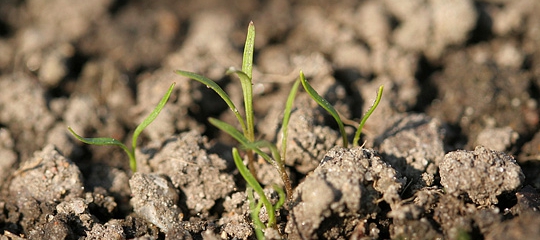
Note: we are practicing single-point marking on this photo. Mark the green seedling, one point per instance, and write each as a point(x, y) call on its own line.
point(254, 184)
point(275, 160)
point(246, 137)
point(325, 105)
point(138, 130)
point(367, 115)
point(256, 207)
point(285, 122)
point(248, 126)
point(330, 109)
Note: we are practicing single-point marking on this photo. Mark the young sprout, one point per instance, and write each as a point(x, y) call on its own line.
point(330, 109)
point(138, 130)
point(246, 137)
point(253, 183)
point(285, 126)
point(255, 208)
point(366, 116)
point(245, 76)
point(326, 105)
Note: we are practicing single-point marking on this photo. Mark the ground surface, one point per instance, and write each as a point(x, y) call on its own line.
point(453, 151)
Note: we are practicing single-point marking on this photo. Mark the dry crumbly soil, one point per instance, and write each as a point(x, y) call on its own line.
point(452, 152)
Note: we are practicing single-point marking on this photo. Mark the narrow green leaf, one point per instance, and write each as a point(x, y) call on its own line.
point(213, 85)
point(252, 182)
point(255, 208)
point(153, 115)
point(366, 116)
point(286, 118)
point(246, 81)
point(281, 199)
point(247, 90)
point(247, 60)
point(107, 142)
point(284, 133)
point(223, 126)
point(96, 141)
point(326, 105)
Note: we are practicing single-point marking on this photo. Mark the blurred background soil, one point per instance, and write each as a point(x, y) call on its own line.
point(457, 75)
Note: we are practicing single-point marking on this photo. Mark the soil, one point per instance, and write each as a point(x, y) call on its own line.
point(452, 151)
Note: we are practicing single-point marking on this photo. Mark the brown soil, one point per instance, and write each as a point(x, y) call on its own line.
point(452, 151)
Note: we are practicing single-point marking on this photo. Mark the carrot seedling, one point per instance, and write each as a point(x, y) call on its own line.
point(366, 116)
point(246, 137)
point(253, 183)
point(325, 105)
point(138, 130)
point(330, 109)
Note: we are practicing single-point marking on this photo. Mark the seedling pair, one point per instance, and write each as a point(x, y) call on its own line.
point(247, 137)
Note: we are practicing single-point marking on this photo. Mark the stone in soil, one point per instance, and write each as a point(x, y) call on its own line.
point(341, 193)
point(154, 199)
point(413, 145)
point(482, 174)
point(48, 177)
point(202, 177)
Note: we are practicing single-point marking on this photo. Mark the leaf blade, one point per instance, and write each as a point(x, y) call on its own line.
point(105, 141)
point(152, 116)
point(247, 91)
point(287, 117)
point(367, 115)
point(246, 174)
point(233, 132)
point(325, 105)
point(214, 86)
point(247, 79)
point(96, 141)
point(249, 46)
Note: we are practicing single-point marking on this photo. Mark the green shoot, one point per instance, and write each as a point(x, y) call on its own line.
point(255, 210)
point(246, 81)
point(326, 106)
point(330, 109)
point(246, 137)
point(252, 182)
point(213, 85)
point(366, 116)
point(256, 146)
point(247, 88)
point(138, 130)
point(281, 200)
point(245, 76)
point(286, 118)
